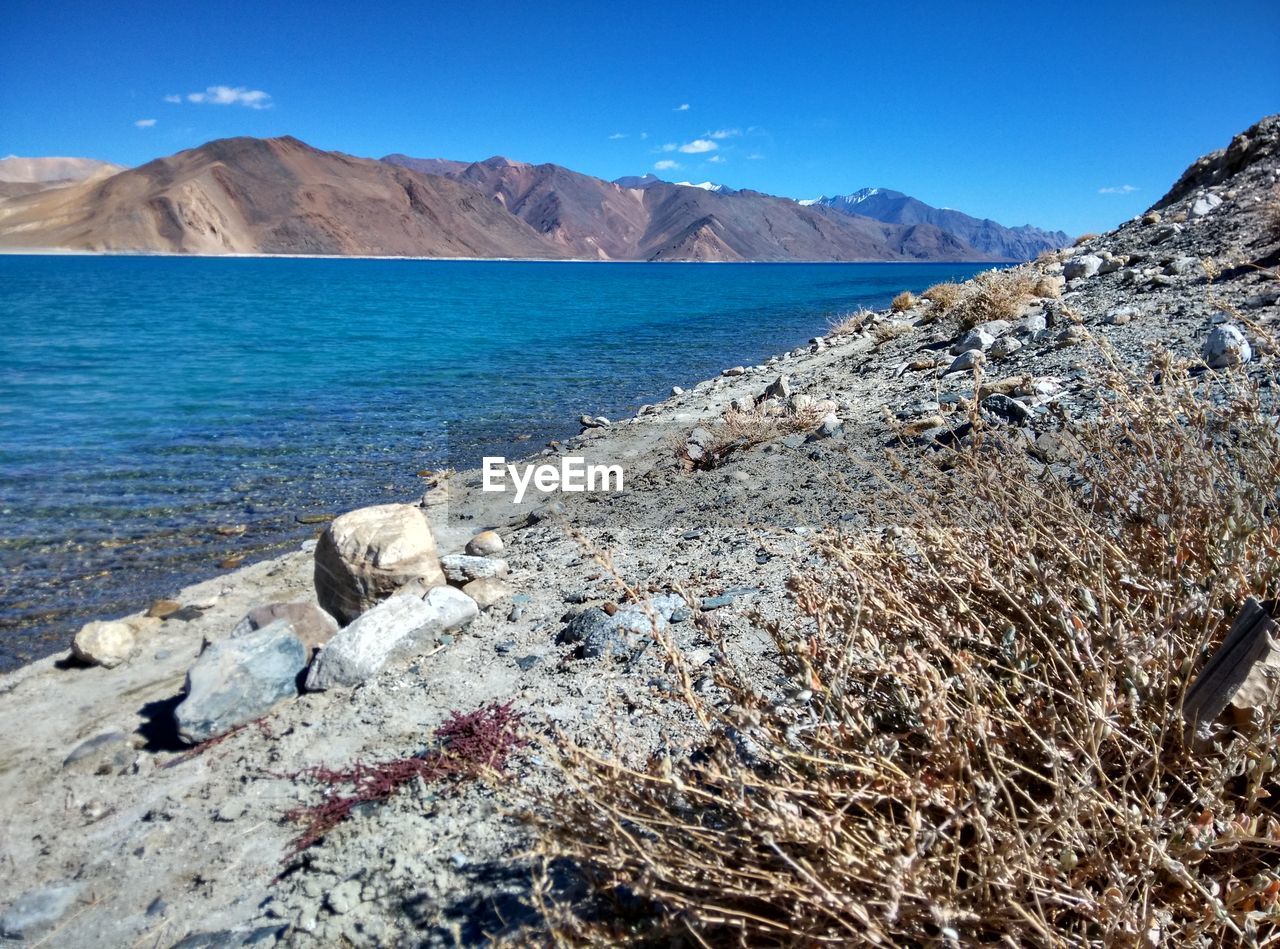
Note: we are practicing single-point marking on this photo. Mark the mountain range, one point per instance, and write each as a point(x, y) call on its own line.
point(282, 196)
point(982, 234)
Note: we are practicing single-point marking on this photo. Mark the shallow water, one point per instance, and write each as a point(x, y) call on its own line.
point(145, 401)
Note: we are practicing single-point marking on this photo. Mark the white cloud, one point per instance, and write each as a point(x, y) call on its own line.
point(617, 135)
point(174, 99)
point(226, 95)
point(665, 165)
point(145, 123)
point(1123, 189)
point(755, 156)
point(723, 133)
point(698, 146)
point(717, 159)
point(682, 107)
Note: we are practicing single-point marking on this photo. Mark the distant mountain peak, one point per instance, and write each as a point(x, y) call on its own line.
point(704, 185)
point(984, 235)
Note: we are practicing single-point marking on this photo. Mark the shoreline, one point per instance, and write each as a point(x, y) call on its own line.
point(69, 252)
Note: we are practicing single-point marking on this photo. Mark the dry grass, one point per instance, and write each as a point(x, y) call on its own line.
point(1085, 238)
point(1271, 213)
point(903, 302)
point(851, 324)
point(996, 295)
point(980, 738)
point(944, 296)
point(890, 330)
point(737, 431)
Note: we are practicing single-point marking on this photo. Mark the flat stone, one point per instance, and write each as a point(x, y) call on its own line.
point(235, 681)
point(486, 591)
point(398, 627)
point(974, 339)
point(966, 362)
point(102, 754)
point(459, 568)
point(163, 609)
point(37, 910)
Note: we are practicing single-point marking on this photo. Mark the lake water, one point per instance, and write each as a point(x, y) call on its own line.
point(146, 401)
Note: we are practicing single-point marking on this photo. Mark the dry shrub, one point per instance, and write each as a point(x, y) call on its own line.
point(1085, 238)
point(890, 330)
point(995, 295)
point(737, 431)
point(1271, 212)
point(851, 324)
point(1047, 288)
point(903, 302)
point(944, 296)
point(983, 740)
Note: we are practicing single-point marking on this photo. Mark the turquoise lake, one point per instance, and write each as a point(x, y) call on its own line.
point(145, 401)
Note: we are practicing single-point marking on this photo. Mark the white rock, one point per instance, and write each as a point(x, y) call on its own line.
point(396, 627)
point(1085, 265)
point(966, 361)
point(367, 554)
point(1204, 204)
point(974, 339)
point(994, 328)
point(104, 643)
point(1120, 315)
point(735, 371)
point(460, 568)
point(1226, 346)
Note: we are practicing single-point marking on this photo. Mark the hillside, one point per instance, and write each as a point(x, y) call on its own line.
point(279, 196)
point(658, 220)
point(995, 240)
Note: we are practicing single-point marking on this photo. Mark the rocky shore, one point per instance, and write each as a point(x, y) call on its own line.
point(148, 775)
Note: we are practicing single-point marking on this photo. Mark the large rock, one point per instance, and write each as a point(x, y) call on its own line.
point(237, 680)
point(366, 555)
point(1226, 346)
point(104, 643)
point(974, 339)
point(310, 624)
point(1085, 265)
point(398, 627)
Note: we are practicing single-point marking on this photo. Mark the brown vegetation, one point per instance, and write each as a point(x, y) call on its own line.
point(978, 738)
point(903, 302)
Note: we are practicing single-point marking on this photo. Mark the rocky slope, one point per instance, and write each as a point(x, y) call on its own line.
point(984, 235)
point(275, 196)
point(22, 176)
point(116, 834)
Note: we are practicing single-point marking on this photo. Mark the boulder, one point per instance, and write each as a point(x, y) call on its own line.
point(1120, 315)
point(484, 544)
point(1085, 265)
point(366, 555)
point(1226, 346)
point(104, 643)
point(310, 624)
point(397, 627)
point(1204, 204)
point(780, 388)
point(237, 680)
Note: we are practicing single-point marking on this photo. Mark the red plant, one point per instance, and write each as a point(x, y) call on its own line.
point(468, 745)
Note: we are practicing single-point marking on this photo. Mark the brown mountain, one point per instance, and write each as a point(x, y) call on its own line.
point(590, 217)
point(247, 195)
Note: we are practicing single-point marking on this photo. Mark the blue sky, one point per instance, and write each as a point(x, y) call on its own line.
point(1072, 116)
